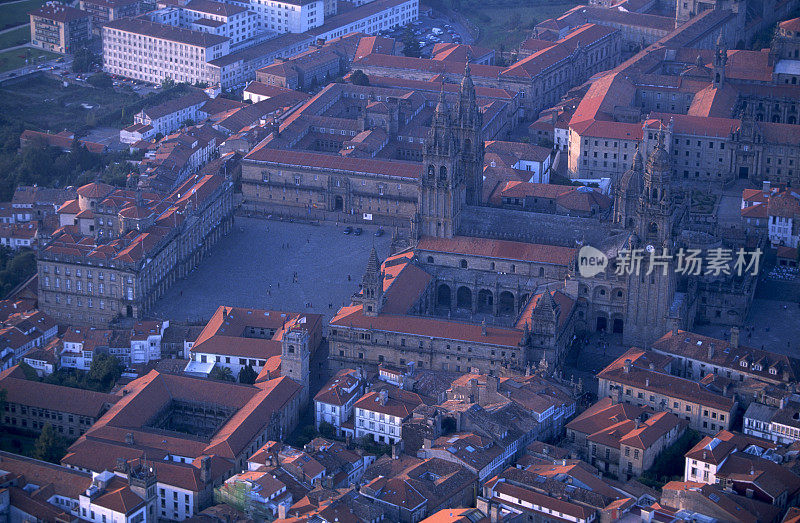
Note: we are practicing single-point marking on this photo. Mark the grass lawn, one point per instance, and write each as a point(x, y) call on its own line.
point(15, 59)
point(19, 36)
point(509, 26)
point(16, 14)
point(44, 103)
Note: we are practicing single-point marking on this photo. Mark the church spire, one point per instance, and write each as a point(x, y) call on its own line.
point(372, 285)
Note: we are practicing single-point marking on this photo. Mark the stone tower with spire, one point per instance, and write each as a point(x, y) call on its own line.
point(468, 132)
point(371, 295)
point(626, 198)
point(452, 164)
point(441, 190)
point(650, 296)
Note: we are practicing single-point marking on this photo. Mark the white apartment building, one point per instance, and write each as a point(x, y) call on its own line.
point(380, 414)
point(334, 402)
point(97, 503)
point(781, 425)
point(284, 16)
point(152, 52)
point(370, 18)
point(234, 22)
point(168, 117)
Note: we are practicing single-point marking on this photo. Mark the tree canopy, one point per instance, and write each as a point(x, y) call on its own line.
point(220, 373)
point(247, 375)
point(49, 446)
point(359, 78)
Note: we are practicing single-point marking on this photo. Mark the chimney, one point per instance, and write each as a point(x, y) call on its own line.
point(735, 336)
point(427, 443)
point(711, 350)
point(282, 511)
point(627, 365)
point(494, 513)
point(765, 187)
point(647, 382)
point(397, 449)
point(122, 464)
point(483, 327)
point(636, 423)
point(327, 481)
point(205, 469)
point(384, 395)
point(129, 438)
point(705, 455)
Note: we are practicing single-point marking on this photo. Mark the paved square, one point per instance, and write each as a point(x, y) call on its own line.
point(252, 268)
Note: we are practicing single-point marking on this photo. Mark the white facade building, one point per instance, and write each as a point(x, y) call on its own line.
point(380, 414)
point(334, 402)
point(152, 52)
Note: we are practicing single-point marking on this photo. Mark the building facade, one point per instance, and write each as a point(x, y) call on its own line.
point(95, 281)
point(59, 28)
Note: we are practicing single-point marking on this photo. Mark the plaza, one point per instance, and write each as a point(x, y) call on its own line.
point(254, 267)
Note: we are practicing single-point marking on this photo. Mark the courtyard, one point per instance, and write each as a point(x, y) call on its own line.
point(253, 267)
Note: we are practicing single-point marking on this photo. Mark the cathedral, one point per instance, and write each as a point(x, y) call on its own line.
point(485, 287)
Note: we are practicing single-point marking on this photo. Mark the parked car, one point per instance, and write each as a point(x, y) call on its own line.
point(358, 232)
point(379, 232)
point(348, 230)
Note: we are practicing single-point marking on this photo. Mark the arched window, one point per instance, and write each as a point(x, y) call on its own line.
point(430, 259)
point(467, 145)
point(431, 171)
point(442, 172)
point(463, 264)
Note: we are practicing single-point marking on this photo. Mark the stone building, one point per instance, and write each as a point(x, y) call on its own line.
point(119, 250)
point(31, 405)
point(542, 77)
point(196, 433)
point(354, 151)
point(623, 440)
point(642, 378)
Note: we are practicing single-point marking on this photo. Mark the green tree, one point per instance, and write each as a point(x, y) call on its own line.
point(49, 447)
point(30, 372)
point(247, 375)
point(187, 123)
point(359, 78)
point(82, 60)
point(220, 373)
point(104, 372)
point(327, 430)
point(411, 43)
point(167, 83)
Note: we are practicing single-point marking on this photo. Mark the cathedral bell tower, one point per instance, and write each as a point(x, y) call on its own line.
point(651, 288)
point(469, 136)
point(441, 186)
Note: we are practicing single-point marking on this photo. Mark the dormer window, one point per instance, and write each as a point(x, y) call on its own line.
point(773, 371)
point(743, 363)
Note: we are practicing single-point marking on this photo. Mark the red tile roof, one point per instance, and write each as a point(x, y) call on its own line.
point(499, 249)
point(393, 168)
point(353, 317)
